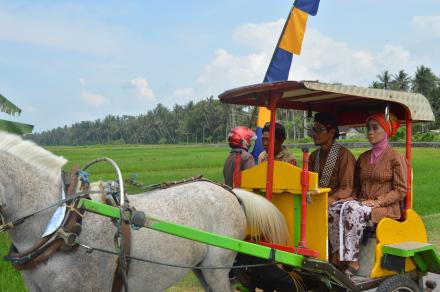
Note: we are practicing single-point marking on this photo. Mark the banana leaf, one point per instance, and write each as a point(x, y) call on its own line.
point(8, 107)
point(15, 127)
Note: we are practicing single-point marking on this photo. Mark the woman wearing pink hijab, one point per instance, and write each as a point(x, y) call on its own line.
point(379, 186)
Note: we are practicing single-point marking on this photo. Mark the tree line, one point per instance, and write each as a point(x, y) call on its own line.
point(208, 120)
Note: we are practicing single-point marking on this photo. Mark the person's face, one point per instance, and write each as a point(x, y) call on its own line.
point(265, 139)
point(375, 132)
point(321, 135)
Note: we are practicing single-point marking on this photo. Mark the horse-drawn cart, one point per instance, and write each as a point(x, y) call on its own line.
point(401, 253)
point(399, 250)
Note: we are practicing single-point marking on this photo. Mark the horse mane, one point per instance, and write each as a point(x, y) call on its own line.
point(32, 154)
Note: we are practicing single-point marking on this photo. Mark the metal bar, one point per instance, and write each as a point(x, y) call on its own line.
point(408, 198)
point(236, 182)
point(304, 189)
point(118, 172)
point(297, 219)
point(209, 238)
point(271, 147)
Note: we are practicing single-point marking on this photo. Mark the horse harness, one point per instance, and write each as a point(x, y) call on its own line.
point(65, 237)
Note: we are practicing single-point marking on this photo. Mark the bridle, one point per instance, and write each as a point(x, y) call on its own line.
point(4, 226)
point(81, 172)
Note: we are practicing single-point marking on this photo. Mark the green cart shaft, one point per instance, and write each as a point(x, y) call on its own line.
point(209, 238)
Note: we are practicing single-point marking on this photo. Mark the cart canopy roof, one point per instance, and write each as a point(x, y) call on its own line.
point(351, 104)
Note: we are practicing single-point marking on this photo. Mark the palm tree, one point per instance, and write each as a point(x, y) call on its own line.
point(424, 81)
point(401, 81)
point(376, 84)
point(384, 80)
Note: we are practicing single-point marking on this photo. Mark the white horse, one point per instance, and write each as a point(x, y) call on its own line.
point(30, 180)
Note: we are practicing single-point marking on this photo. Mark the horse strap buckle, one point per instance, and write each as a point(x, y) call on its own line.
point(70, 238)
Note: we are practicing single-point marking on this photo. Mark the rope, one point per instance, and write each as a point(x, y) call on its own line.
point(164, 185)
point(92, 249)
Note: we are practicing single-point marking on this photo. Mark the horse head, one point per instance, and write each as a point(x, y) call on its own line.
point(30, 179)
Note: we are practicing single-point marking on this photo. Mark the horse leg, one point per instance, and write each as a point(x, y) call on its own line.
point(217, 279)
point(30, 283)
point(201, 279)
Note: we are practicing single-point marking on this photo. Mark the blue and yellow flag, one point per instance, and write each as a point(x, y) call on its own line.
point(290, 43)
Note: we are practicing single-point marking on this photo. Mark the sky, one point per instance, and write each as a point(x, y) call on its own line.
point(68, 61)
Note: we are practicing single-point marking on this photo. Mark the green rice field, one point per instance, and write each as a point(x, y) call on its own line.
point(155, 164)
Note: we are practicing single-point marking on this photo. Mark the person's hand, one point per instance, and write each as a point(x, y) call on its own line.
point(371, 203)
point(331, 200)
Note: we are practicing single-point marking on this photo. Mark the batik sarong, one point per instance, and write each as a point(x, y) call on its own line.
point(347, 221)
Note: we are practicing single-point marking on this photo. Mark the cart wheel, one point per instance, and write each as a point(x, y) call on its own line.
point(398, 283)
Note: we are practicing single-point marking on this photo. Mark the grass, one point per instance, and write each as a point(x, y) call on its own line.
point(156, 164)
point(10, 279)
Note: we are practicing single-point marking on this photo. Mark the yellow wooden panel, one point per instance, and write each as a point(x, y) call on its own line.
point(284, 202)
point(317, 224)
point(287, 184)
point(287, 178)
point(317, 219)
point(391, 231)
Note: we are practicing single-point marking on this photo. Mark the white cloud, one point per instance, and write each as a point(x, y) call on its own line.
point(226, 70)
point(323, 58)
point(262, 36)
point(143, 89)
point(90, 98)
point(326, 59)
point(184, 93)
point(429, 25)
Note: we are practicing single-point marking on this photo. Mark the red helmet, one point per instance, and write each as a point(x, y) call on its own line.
point(241, 137)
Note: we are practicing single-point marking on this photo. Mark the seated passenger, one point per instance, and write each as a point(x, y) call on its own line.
point(281, 153)
point(334, 163)
point(240, 140)
point(379, 186)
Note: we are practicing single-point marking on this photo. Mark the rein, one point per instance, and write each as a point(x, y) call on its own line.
point(12, 224)
point(91, 249)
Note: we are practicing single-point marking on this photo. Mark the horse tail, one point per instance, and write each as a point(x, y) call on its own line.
point(264, 220)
